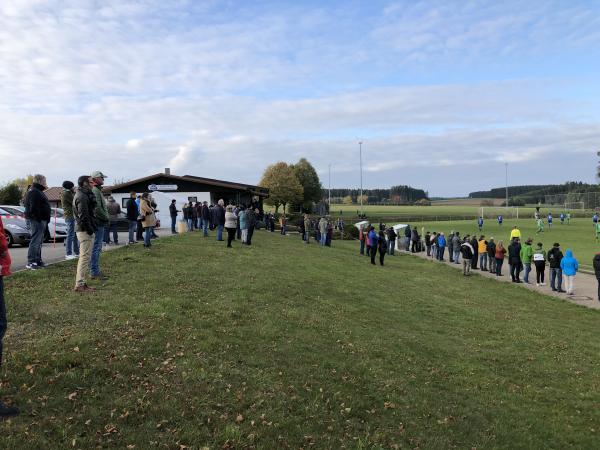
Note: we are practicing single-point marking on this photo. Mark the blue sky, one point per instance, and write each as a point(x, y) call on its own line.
point(442, 93)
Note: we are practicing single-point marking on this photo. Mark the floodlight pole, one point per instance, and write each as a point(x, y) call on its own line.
point(329, 201)
point(361, 180)
point(506, 167)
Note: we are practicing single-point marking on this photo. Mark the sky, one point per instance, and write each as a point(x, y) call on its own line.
point(441, 93)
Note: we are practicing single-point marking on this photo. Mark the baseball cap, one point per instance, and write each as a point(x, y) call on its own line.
point(97, 174)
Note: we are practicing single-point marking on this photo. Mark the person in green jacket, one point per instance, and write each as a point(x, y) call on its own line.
point(540, 225)
point(101, 214)
point(66, 201)
point(526, 257)
point(539, 259)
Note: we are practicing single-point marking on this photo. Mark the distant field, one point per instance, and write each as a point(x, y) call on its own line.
point(458, 211)
point(467, 202)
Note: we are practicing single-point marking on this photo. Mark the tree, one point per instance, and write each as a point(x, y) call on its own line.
point(284, 187)
point(23, 183)
point(308, 178)
point(10, 194)
point(347, 200)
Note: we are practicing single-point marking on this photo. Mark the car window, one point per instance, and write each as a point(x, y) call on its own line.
point(13, 211)
point(3, 212)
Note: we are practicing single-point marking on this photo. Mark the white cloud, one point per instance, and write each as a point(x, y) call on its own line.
point(132, 87)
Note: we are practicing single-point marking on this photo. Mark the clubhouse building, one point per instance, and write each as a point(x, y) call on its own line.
point(166, 187)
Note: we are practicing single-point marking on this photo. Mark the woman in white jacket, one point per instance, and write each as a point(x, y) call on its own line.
point(230, 224)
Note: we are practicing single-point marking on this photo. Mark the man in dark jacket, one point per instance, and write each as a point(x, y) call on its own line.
point(220, 219)
point(37, 213)
point(132, 216)
point(66, 201)
point(173, 213)
point(251, 222)
point(205, 213)
point(596, 263)
point(491, 252)
point(466, 251)
point(391, 235)
point(554, 258)
point(84, 206)
point(475, 245)
point(514, 260)
point(407, 235)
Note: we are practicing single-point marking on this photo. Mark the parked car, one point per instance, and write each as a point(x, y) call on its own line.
point(61, 226)
point(15, 227)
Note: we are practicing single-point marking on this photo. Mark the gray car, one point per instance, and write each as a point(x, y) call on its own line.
point(58, 230)
point(15, 227)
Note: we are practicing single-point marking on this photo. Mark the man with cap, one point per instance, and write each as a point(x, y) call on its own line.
point(37, 213)
point(102, 221)
point(84, 207)
point(66, 201)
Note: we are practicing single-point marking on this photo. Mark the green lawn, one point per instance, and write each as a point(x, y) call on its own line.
point(428, 211)
point(579, 236)
point(284, 345)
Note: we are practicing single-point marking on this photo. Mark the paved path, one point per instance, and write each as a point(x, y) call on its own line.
point(55, 253)
point(585, 292)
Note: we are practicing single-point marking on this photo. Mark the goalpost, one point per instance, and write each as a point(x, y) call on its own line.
point(574, 206)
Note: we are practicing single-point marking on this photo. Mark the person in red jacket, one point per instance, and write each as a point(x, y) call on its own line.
point(5, 410)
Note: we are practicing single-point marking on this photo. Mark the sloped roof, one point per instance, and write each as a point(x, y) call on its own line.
point(191, 178)
point(53, 193)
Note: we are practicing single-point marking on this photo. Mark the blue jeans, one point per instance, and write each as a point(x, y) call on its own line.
point(219, 232)
point(391, 245)
point(205, 226)
point(483, 262)
point(71, 243)
point(189, 224)
point(115, 233)
point(362, 247)
point(556, 273)
point(132, 230)
point(440, 253)
point(3, 322)
point(456, 256)
point(527, 270)
point(148, 236)
point(37, 229)
point(96, 250)
point(323, 239)
point(173, 223)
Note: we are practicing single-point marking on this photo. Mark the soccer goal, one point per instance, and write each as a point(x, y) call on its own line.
point(574, 206)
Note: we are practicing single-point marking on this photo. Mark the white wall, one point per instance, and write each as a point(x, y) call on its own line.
point(163, 200)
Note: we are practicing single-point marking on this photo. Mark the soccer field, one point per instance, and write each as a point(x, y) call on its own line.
point(458, 211)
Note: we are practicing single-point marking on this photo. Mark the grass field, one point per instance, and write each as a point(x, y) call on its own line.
point(284, 345)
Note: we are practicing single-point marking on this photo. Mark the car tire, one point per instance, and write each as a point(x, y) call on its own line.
point(9, 239)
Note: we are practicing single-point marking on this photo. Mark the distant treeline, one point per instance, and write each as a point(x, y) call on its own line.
point(536, 193)
point(394, 195)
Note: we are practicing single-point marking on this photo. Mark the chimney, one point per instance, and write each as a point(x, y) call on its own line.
point(167, 171)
